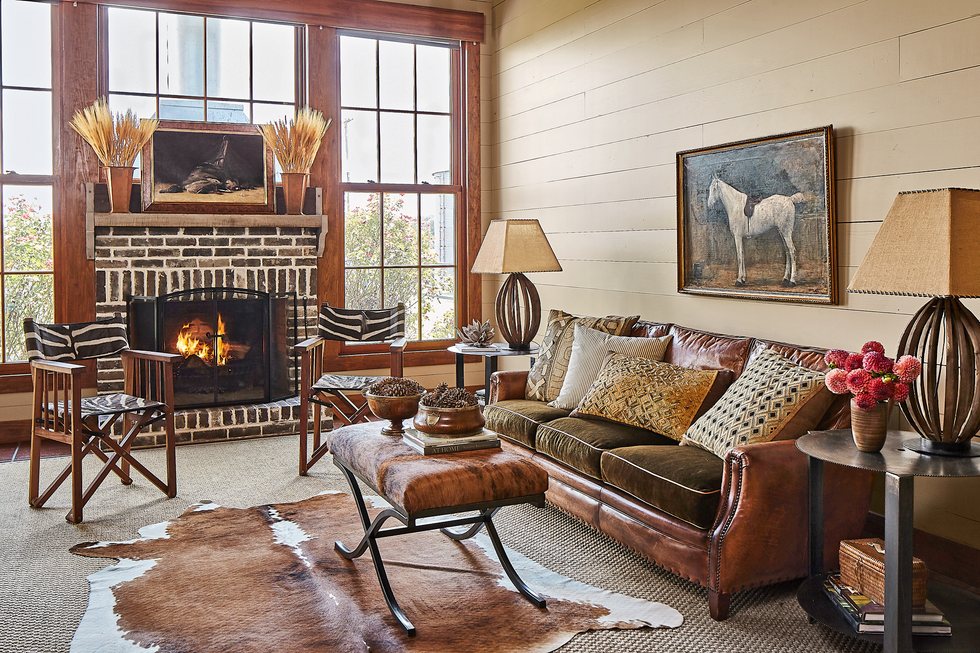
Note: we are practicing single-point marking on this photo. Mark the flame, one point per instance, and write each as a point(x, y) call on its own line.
point(189, 346)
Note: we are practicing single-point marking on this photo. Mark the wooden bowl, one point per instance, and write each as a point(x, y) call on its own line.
point(393, 409)
point(448, 422)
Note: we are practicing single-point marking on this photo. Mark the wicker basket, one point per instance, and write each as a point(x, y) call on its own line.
point(862, 566)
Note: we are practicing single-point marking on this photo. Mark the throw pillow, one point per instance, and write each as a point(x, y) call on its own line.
point(656, 396)
point(761, 406)
point(589, 349)
point(545, 379)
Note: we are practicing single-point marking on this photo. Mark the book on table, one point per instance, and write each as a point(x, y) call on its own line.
point(866, 616)
point(428, 445)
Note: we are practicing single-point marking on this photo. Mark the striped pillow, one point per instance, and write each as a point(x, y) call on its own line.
point(58, 342)
point(356, 325)
point(589, 349)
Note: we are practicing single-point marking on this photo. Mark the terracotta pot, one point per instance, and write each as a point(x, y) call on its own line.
point(393, 409)
point(120, 182)
point(448, 422)
point(294, 191)
point(869, 427)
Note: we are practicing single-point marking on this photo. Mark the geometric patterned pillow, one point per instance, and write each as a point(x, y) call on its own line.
point(545, 379)
point(758, 405)
point(651, 395)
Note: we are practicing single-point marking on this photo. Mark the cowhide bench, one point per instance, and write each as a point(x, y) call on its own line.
point(420, 487)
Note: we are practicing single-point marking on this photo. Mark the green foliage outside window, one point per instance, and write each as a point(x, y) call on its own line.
point(27, 264)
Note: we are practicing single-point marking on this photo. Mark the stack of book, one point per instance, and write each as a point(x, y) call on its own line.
point(428, 446)
point(866, 616)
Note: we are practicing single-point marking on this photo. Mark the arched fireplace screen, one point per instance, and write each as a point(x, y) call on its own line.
point(236, 343)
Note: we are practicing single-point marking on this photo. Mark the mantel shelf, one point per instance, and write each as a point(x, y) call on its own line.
point(93, 220)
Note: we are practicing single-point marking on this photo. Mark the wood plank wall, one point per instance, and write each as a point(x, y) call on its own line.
point(592, 100)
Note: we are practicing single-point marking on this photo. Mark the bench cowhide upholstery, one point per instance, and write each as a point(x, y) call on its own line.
point(724, 523)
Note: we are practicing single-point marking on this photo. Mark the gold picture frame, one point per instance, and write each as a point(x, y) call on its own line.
point(201, 167)
point(756, 219)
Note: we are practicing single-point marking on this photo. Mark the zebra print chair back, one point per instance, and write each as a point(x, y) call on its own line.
point(353, 325)
point(72, 342)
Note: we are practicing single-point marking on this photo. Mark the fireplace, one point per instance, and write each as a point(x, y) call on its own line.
point(235, 343)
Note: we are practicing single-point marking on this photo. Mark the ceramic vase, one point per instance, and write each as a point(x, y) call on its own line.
point(869, 427)
point(119, 179)
point(294, 191)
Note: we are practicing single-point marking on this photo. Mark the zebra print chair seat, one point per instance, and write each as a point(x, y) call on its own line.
point(60, 413)
point(328, 389)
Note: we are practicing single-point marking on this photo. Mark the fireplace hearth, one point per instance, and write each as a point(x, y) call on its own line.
point(234, 343)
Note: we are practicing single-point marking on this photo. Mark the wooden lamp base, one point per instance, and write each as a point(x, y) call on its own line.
point(518, 310)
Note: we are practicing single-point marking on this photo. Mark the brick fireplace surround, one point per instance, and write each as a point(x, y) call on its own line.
point(154, 260)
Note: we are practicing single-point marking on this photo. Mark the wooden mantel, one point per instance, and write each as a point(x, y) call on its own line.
point(93, 220)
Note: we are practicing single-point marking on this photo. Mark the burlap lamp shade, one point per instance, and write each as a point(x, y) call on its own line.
point(929, 246)
point(514, 247)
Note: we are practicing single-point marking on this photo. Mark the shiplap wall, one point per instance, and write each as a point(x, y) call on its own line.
point(593, 99)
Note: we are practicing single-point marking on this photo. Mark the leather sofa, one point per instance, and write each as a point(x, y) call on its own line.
point(725, 524)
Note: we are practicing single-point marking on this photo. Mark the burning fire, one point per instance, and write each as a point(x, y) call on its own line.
point(188, 344)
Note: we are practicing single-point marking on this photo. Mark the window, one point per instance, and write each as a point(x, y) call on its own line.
point(400, 180)
point(27, 181)
point(185, 67)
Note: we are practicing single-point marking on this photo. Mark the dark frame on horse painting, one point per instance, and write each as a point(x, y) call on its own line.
point(206, 167)
point(756, 219)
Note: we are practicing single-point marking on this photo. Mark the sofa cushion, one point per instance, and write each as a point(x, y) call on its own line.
point(682, 481)
point(518, 419)
point(589, 350)
point(773, 399)
point(545, 379)
point(579, 443)
point(651, 395)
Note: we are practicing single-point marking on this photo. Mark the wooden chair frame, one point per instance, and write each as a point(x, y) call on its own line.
point(57, 415)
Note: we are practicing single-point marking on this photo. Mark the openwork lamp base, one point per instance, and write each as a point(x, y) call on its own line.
point(944, 407)
point(518, 311)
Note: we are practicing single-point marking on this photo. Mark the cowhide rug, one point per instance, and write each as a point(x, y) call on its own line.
point(268, 579)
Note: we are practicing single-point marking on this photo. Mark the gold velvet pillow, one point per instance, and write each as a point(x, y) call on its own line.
point(762, 405)
point(652, 395)
point(545, 379)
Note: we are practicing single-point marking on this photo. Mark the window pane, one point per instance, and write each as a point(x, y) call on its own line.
point(358, 73)
point(228, 58)
point(26, 120)
point(397, 148)
point(402, 285)
point(176, 109)
point(434, 87)
point(132, 43)
point(273, 59)
point(401, 231)
point(435, 149)
point(397, 75)
point(438, 229)
point(25, 295)
point(228, 112)
point(181, 54)
point(362, 229)
point(359, 146)
point(438, 303)
point(362, 289)
point(265, 113)
point(27, 231)
point(26, 40)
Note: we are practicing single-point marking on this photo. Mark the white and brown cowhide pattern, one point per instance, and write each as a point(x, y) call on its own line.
point(268, 579)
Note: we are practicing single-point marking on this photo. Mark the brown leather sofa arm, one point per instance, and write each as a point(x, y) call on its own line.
point(760, 533)
point(508, 384)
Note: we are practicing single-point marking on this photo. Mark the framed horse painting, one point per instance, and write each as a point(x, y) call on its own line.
point(756, 219)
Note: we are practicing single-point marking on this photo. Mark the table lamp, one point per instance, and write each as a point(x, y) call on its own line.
point(514, 247)
point(929, 246)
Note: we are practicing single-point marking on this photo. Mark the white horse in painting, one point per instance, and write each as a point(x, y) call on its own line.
point(775, 212)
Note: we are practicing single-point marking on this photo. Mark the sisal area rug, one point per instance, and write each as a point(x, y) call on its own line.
point(267, 578)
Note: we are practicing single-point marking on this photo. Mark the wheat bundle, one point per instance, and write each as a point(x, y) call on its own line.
point(116, 139)
point(295, 143)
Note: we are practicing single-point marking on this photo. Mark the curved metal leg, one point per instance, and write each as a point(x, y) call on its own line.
point(369, 535)
point(509, 568)
point(465, 535)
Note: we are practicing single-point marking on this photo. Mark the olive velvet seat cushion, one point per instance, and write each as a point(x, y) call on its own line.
point(518, 419)
point(579, 443)
point(682, 481)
